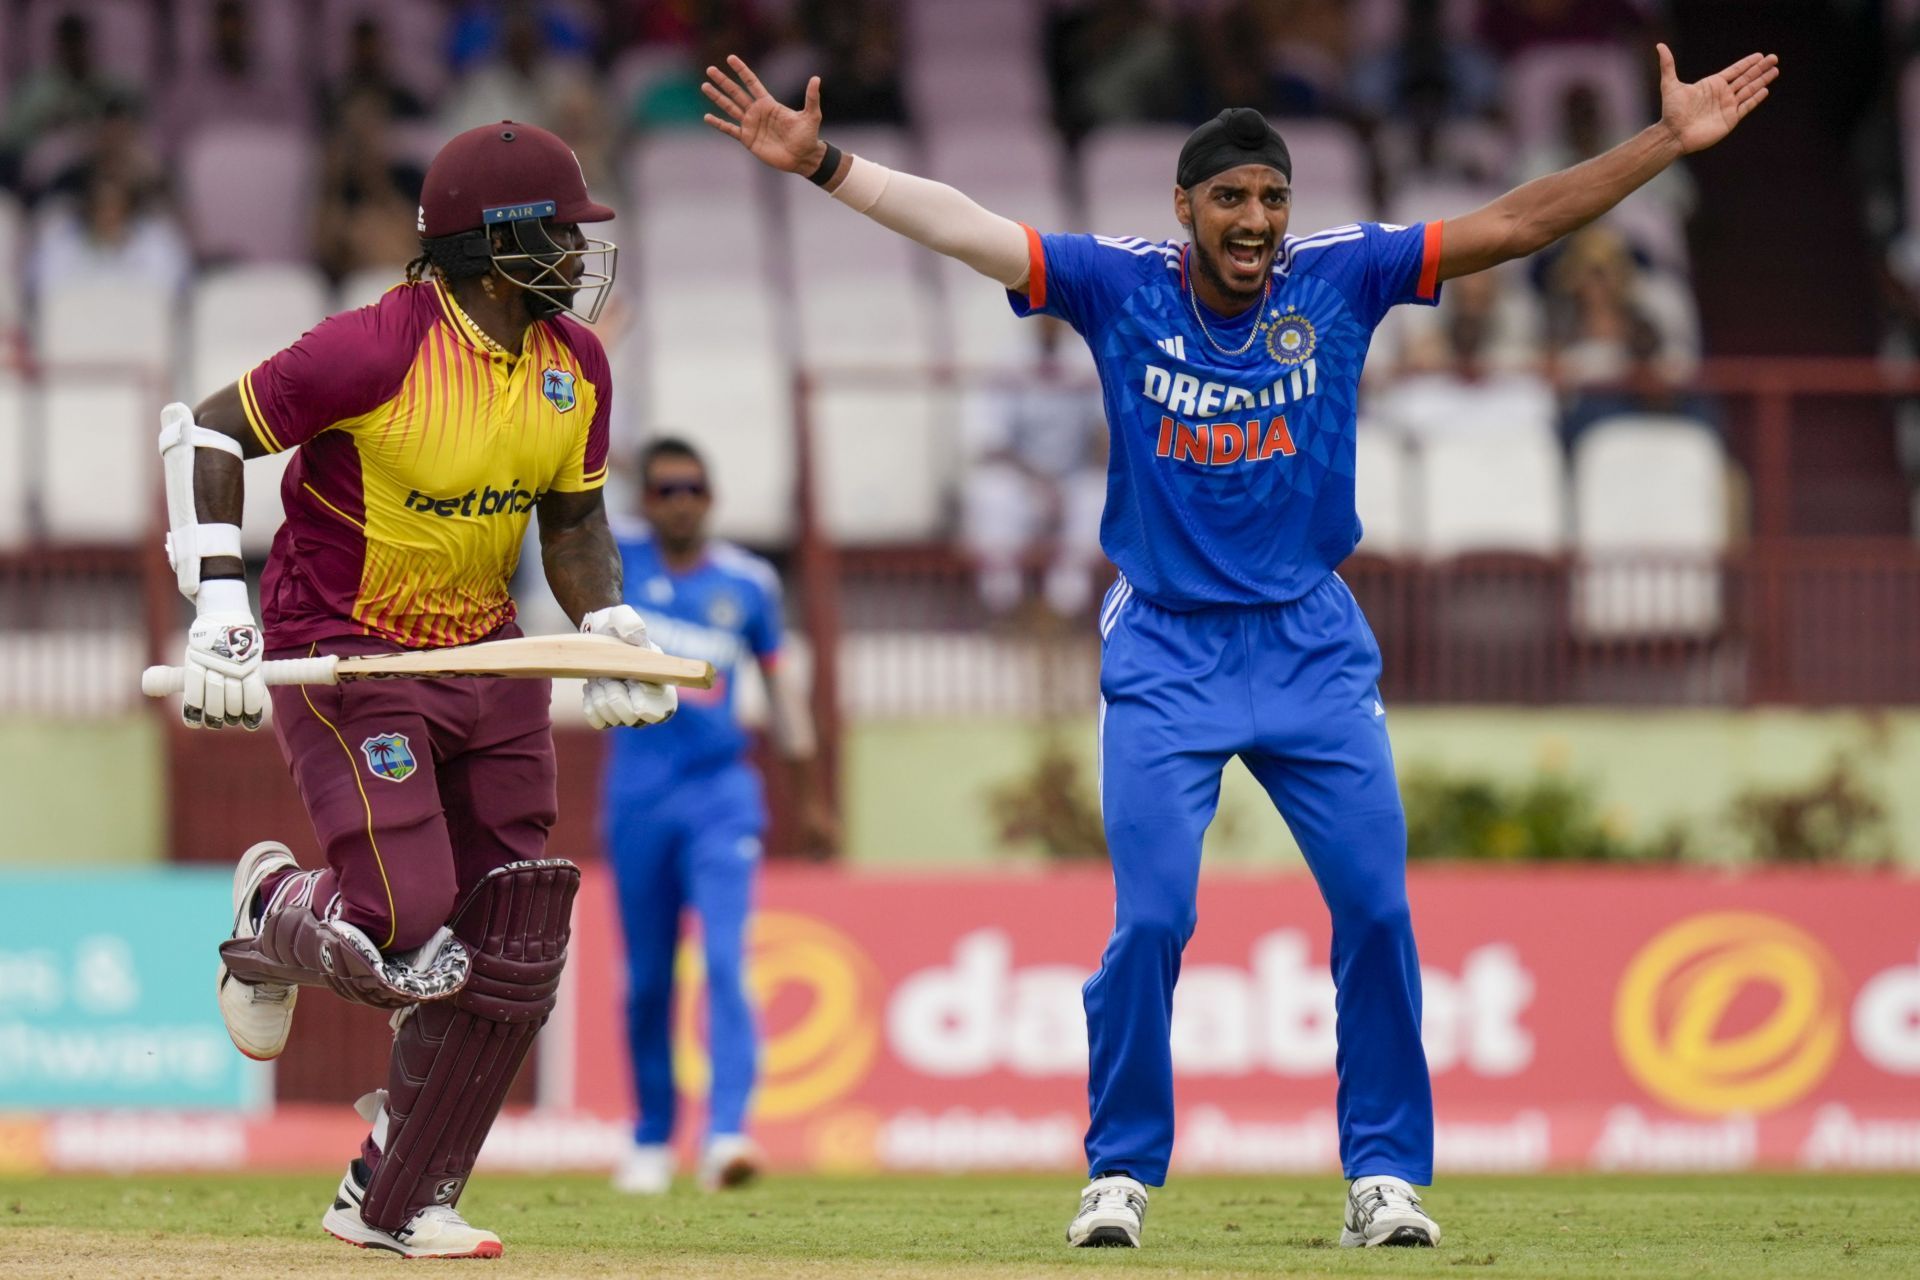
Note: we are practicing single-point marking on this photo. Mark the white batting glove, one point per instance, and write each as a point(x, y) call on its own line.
point(224, 685)
point(627, 702)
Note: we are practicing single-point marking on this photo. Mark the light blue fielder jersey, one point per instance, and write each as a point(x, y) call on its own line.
point(1230, 480)
point(725, 611)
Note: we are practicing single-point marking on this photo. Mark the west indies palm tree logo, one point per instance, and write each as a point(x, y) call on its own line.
point(390, 756)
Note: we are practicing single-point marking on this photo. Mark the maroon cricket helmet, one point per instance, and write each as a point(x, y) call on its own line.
point(504, 172)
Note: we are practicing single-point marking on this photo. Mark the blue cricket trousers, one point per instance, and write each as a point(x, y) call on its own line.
point(694, 842)
point(1293, 691)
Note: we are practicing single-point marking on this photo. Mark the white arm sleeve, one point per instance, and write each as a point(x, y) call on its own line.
point(939, 217)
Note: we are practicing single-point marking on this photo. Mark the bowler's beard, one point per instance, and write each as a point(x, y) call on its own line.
point(1205, 264)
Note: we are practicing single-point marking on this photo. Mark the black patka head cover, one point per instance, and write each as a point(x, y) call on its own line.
point(1237, 136)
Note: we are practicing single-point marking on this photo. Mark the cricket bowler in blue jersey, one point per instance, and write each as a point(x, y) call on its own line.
point(1230, 365)
point(685, 815)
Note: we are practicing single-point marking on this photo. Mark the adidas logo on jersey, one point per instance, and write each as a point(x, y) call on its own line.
point(1175, 347)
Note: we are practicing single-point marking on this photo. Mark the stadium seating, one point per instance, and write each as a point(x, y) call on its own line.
point(99, 474)
point(414, 31)
point(1538, 80)
point(882, 458)
point(96, 322)
point(242, 315)
point(12, 229)
point(1383, 477)
point(1329, 176)
point(249, 191)
point(1649, 485)
point(279, 34)
point(122, 32)
point(1484, 491)
point(363, 287)
point(14, 462)
point(693, 168)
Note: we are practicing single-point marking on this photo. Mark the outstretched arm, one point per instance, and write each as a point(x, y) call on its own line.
point(930, 213)
point(1529, 218)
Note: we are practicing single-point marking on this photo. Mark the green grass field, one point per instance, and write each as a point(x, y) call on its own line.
point(1750, 1226)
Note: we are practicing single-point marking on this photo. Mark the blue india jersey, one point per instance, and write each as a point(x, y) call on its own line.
point(726, 610)
point(1230, 480)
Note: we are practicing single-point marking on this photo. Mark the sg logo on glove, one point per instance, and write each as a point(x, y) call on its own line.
point(236, 644)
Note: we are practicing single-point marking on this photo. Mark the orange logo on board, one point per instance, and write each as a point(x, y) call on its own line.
point(1730, 1011)
point(818, 998)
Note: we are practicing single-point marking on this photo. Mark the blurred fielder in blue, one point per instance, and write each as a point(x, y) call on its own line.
point(685, 813)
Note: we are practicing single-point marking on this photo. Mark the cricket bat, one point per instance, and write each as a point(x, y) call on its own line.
point(561, 657)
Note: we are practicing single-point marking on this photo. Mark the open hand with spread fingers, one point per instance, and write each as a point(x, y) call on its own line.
point(779, 136)
point(1702, 113)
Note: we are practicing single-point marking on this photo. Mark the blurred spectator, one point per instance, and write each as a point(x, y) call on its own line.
point(1512, 26)
point(858, 45)
point(1112, 61)
point(1286, 57)
point(369, 194)
point(483, 30)
point(666, 92)
point(1583, 134)
point(1595, 291)
point(519, 78)
point(111, 234)
point(367, 71)
point(230, 84)
point(1036, 479)
point(70, 94)
point(578, 112)
point(1647, 385)
point(1505, 317)
point(1428, 76)
point(1466, 383)
point(115, 147)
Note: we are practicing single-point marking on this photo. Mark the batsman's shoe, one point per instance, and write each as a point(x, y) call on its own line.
point(437, 1231)
point(258, 1017)
point(730, 1160)
point(647, 1170)
point(1111, 1211)
point(1385, 1210)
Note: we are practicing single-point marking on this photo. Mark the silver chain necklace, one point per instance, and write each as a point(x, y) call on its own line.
point(1193, 304)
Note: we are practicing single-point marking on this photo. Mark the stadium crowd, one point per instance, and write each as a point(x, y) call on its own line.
point(247, 165)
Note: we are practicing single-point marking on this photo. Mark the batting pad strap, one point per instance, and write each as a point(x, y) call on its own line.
point(454, 1060)
point(294, 945)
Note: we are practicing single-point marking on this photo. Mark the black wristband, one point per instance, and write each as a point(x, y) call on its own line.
point(829, 166)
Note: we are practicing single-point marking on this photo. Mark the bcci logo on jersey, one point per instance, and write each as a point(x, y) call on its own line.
point(1290, 341)
point(390, 756)
point(557, 386)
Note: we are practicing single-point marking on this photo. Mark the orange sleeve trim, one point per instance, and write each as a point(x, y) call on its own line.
point(1430, 261)
point(1036, 270)
point(255, 419)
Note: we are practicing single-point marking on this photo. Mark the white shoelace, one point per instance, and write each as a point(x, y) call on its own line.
point(1112, 1195)
point(1386, 1195)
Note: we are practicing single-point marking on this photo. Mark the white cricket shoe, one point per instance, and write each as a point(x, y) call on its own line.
point(437, 1231)
point(259, 1017)
point(1111, 1211)
point(1385, 1210)
point(730, 1160)
point(647, 1170)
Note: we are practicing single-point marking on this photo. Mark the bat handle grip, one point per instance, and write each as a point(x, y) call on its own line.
point(159, 682)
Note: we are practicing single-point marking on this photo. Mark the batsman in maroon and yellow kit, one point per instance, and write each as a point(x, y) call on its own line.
point(430, 428)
